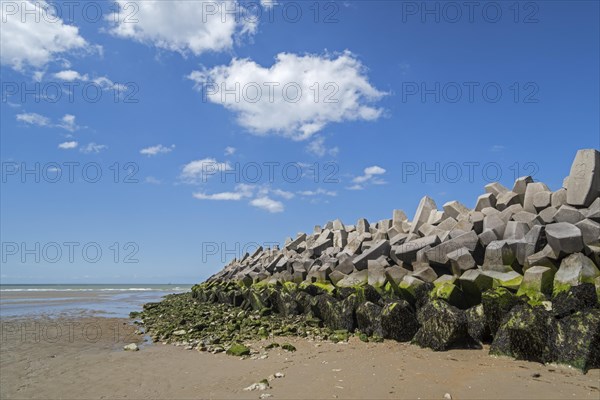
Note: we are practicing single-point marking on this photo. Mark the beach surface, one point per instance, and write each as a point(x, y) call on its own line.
point(81, 356)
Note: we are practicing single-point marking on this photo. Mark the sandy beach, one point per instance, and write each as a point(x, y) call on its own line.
point(86, 361)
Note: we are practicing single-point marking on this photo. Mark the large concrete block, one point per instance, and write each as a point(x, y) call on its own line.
point(507, 199)
point(362, 226)
point(568, 214)
point(426, 205)
point(583, 185)
point(536, 281)
point(520, 187)
point(564, 238)
point(515, 230)
point(407, 251)
point(461, 260)
point(439, 254)
point(530, 192)
point(485, 200)
point(546, 257)
point(558, 198)
point(495, 188)
point(380, 248)
point(547, 215)
point(453, 209)
point(542, 200)
point(574, 270)
point(590, 231)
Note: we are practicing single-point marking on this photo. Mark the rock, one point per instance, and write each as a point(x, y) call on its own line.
point(507, 199)
point(547, 215)
point(495, 188)
point(476, 324)
point(546, 257)
point(439, 254)
point(454, 209)
point(575, 340)
point(426, 205)
point(357, 278)
point(530, 192)
point(574, 270)
point(508, 279)
point(537, 282)
point(499, 252)
point(425, 273)
point(450, 293)
point(520, 187)
point(583, 184)
point(590, 231)
point(461, 260)
point(575, 299)
point(368, 318)
point(564, 238)
point(262, 385)
point(524, 334)
point(238, 350)
point(398, 321)
point(442, 326)
point(497, 303)
point(474, 283)
point(485, 200)
point(131, 347)
point(378, 249)
point(515, 230)
point(407, 252)
point(567, 213)
point(542, 200)
point(288, 347)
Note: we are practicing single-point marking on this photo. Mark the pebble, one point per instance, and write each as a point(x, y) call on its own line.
point(257, 386)
point(131, 347)
point(447, 396)
point(265, 396)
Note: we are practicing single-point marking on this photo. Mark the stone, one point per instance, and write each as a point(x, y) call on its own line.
point(395, 274)
point(499, 252)
point(476, 325)
point(425, 273)
point(398, 218)
point(524, 335)
point(442, 326)
point(575, 299)
point(506, 200)
point(537, 281)
point(542, 200)
point(131, 347)
point(461, 260)
point(439, 253)
point(564, 238)
point(408, 288)
point(340, 238)
point(293, 245)
point(507, 279)
point(546, 257)
point(574, 270)
point(346, 267)
point(485, 200)
point(530, 219)
point(530, 193)
point(378, 249)
point(590, 231)
point(426, 205)
point(575, 340)
point(495, 188)
point(447, 291)
point(368, 318)
point(336, 276)
point(407, 251)
point(486, 237)
point(376, 274)
point(356, 278)
point(497, 303)
point(453, 209)
point(399, 321)
point(515, 230)
point(558, 198)
point(567, 213)
point(547, 215)
point(520, 187)
point(436, 217)
point(474, 283)
point(494, 223)
point(593, 211)
point(583, 184)
point(238, 350)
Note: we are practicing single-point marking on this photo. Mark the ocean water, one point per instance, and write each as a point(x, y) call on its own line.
point(64, 300)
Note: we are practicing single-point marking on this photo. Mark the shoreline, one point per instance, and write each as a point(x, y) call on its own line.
point(89, 367)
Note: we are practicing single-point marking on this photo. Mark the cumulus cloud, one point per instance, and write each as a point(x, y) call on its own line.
point(67, 122)
point(34, 119)
point(318, 192)
point(241, 191)
point(295, 97)
point(70, 75)
point(268, 204)
point(200, 170)
point(68, 145)
point(182, 26)
point(158, 149)
point(36, 39)
point(371, 175)
point(93, 148)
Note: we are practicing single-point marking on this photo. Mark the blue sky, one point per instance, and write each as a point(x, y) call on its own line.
point(503, 90)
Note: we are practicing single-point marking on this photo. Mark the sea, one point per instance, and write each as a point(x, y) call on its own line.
point(64, 300)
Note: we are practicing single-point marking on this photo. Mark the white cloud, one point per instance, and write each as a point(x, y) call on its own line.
point(200, 170)
point(297, 112)
point(93, 148)
point(34, 119)
point(266, 203)
point(158, 149)
point(318, 148)
point(35, 39)
point(369, 173)
point(182, 26)
point(70, 75)
point(355, 187)
point(67, 122)
point(317, 192)
point(241, 191)
point(230, 150)
point(282, 193)
point(68, 145)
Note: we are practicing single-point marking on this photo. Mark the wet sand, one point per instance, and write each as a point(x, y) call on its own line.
point(86, 361)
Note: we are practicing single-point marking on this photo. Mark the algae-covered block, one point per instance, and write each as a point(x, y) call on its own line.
point(576, 340)
point(238, 350)
point(450, 293)
point(368, 319)
point(473, 283)
point(576, 298)
point(399, 321)
point(537, 281)
point(510, 279)
point(476, 323)
point(497, 303)
point(408, 287)
point(524, 334)
point(442, 326)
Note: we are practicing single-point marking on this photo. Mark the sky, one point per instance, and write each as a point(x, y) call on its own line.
point(152, 142)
